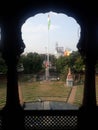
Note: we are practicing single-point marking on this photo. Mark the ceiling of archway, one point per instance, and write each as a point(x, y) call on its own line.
point(77, 9)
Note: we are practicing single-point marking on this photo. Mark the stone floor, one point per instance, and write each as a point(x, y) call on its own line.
point(49, 105)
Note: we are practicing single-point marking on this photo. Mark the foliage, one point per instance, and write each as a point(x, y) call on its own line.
point(32, 63)
point(78, 65)
point(73, 61)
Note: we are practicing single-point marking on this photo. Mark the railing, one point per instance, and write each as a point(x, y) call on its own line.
point(46, 120)
point(54, 120)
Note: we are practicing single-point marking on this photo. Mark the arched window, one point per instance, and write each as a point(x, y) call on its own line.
point(51, 39)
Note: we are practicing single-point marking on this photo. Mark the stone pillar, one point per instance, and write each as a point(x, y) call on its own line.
point(11, 50)
point(89, 96)
point(88, 111)
point(88, 48)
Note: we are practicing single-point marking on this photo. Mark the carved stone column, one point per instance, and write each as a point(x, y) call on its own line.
point(12, 47)
point(89, 51)
point(89, 96)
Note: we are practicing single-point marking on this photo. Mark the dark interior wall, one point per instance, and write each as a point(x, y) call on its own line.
point(12, 16)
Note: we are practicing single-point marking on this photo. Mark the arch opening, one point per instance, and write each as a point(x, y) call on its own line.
point(51, 39)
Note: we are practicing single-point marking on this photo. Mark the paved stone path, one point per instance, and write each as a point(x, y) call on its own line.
point(72, 95)
point(49, 105)
point(20, 95)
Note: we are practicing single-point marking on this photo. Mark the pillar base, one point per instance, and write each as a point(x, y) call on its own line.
point(88, 117)
point(12, 118)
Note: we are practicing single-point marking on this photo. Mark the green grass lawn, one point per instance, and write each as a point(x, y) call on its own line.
point(50, 91)
point(55, 91)
point(97, 90)
point(2, 94)
point(32, 91)
point(79, 95)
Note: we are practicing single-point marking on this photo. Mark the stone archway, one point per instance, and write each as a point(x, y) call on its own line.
point(11, 22)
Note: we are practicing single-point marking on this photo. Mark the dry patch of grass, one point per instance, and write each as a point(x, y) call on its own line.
point(79, 95)
point(97, 90)
point(51, 90)
point(2, 94)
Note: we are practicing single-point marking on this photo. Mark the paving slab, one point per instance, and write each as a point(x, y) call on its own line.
point(49, 105)
point(34, 106)
point(62, 106)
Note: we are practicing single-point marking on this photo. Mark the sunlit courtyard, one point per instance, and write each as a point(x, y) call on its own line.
point(41, 91)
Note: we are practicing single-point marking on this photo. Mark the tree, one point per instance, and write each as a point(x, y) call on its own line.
point(32, 63)
point(74, 61)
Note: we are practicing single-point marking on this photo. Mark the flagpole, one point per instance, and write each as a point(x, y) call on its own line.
point(47, 61)
point(47, 67)
point(48, 55)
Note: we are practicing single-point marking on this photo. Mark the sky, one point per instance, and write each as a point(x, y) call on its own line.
point(38, 38)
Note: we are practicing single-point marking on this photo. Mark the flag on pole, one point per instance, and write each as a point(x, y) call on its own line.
point(49, 21)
